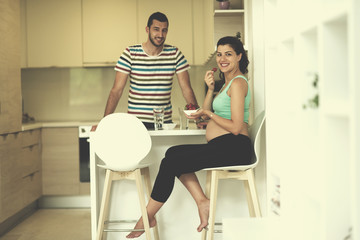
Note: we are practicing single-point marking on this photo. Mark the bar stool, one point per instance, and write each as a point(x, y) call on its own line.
point(244, 173)
point(121, 141)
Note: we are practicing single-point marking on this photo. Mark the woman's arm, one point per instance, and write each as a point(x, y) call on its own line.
point(210, 82)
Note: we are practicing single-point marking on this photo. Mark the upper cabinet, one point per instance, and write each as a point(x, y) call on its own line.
point(74, 33)
point(180, 32)
point(108, 27)
point(53, 33)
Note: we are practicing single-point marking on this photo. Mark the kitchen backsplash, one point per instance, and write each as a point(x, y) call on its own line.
point(80, 94)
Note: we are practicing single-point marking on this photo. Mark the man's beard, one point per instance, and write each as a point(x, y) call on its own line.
point(156, 45)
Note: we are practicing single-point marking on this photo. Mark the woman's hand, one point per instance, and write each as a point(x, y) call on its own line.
point(196, 114)
point(209, 80)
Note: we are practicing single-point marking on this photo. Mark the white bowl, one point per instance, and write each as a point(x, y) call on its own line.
point(189, 112)
point(169, 126)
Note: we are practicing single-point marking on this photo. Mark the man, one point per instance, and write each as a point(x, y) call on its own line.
point(151, 67)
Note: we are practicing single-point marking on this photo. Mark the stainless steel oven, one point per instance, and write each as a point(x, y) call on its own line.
point(84, 155)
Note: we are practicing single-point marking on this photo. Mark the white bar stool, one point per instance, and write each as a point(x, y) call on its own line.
point(121, 141)
point(244, 173)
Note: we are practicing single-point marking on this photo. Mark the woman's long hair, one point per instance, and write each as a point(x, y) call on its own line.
point(238, 47)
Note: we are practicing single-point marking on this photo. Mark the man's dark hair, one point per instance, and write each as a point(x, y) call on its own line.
point(157, 16)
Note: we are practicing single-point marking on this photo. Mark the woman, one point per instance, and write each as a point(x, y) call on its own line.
point(226, 133)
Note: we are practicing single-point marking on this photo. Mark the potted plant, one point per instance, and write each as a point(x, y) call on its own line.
point(224, 4)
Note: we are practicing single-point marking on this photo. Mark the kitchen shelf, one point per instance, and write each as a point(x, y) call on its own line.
point(227, 22)
point(334, 11)
point(229, 13)
point(337, 153)
point(336, 107)
point(335, 57)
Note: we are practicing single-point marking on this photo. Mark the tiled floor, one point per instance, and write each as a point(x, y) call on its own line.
point(54, 224)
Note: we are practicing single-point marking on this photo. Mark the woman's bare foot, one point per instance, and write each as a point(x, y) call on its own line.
point(204, 214)
point(140, 225)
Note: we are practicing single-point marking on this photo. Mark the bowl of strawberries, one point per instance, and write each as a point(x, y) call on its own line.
point(190, 108)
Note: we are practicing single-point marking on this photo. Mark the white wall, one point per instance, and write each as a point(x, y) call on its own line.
point(257, 30)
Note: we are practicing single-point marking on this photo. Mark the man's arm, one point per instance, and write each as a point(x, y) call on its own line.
point(115, 94)
point(185, 85)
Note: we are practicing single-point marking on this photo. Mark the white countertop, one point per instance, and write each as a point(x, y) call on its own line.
point(177, 132)
point(192, 131)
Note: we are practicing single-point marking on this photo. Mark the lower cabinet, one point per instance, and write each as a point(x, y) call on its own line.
point(10, 171)
point(60, 162)
point(31, 165)
point(38, 162)
point(20, 171)
point(32, 187)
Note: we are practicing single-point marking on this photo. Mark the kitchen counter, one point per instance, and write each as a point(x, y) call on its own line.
point(35, 125)
point(174, 132)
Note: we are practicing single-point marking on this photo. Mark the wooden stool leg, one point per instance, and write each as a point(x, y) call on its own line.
point(213, 198)
point(104, 209)
point(140, 189)
point(208, 184)
point(251, 195)
point(207, 193)
point(148, 192)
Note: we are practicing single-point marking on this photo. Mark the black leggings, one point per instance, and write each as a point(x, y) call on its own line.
point(225, 150)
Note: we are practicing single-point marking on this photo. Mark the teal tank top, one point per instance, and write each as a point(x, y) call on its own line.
point(222, 105)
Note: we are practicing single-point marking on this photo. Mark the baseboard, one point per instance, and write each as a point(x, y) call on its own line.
point(65, 201)
point(20, 216)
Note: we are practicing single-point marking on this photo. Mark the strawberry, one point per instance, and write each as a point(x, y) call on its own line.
point(191, 106)
point(214, 69)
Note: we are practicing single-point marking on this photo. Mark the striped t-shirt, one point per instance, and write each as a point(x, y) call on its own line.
point(151, 79)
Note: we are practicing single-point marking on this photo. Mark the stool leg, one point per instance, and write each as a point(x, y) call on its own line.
point(251, 195)
point(213, 198)
point(207, 193)
point(147, 181)
point(142, 203)
point(104, 209)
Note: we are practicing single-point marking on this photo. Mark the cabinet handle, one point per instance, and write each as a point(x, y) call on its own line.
point(31, 175)
point(31, 146)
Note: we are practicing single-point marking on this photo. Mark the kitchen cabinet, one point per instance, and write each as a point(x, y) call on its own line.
point(53, 33)
point(104, 39)
point(31, 165)
point(20, 171)
point(179, 14)
point(10, 80)
point(76, 33)
point(60, 162)
point(108, 28)
point(10, 175)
